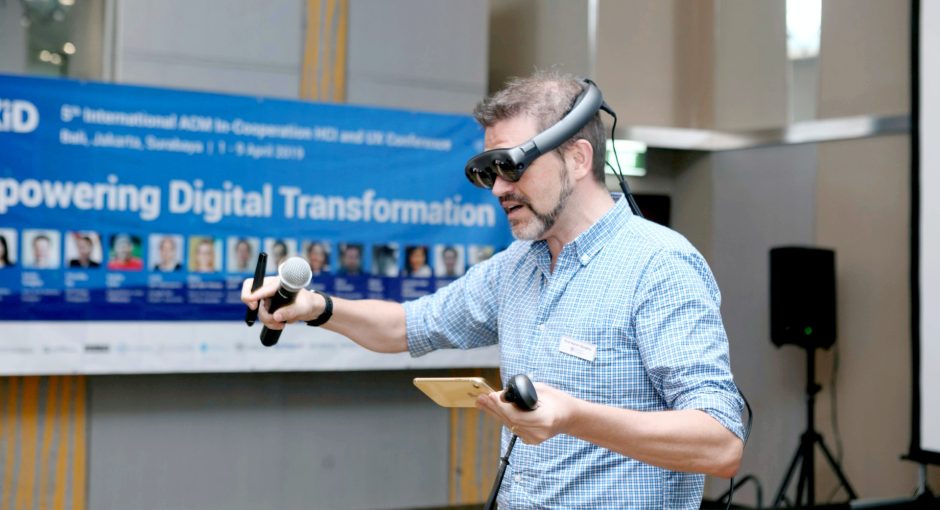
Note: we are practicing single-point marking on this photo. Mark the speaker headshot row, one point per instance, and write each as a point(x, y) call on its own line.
point(386, 259)
point(170, 253)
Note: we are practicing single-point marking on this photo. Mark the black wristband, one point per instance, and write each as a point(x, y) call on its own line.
point(327, 311)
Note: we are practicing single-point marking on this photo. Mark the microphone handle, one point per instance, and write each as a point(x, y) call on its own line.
point(283, 297)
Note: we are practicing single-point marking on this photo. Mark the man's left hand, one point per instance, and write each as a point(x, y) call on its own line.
point(549, 418)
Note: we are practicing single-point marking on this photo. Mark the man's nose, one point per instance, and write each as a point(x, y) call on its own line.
point(502, 186)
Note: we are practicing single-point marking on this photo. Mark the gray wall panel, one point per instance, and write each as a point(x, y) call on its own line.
point(762, 198)
point(248, 441)
point(238, 46)
point(12, 39)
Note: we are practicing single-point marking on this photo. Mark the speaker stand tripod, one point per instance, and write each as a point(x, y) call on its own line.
point(804, 456)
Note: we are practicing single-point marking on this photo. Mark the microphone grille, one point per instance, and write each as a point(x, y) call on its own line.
point(295, 273)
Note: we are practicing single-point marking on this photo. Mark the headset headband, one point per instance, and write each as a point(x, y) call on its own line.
point(510, 163)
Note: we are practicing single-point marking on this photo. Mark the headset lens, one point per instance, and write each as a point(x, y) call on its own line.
point(483, 169)
point(481, 177)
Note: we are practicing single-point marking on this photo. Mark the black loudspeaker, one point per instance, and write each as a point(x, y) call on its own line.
point(803, 296)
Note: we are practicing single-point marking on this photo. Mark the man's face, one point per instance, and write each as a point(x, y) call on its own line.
point(123, 248)
point(205, 255)
point(352, 259)
point(243, 253)
point(450, 260)
point(417, 259)
point(316, 257)
point(41, 248)
point(84, 248)
point(167, 251)
point(534, 202)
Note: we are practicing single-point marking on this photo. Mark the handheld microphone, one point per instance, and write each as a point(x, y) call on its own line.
point(294, 274)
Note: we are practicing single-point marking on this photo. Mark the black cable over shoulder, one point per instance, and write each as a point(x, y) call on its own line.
point(618, 172)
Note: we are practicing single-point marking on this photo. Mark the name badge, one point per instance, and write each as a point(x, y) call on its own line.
point(578, 349)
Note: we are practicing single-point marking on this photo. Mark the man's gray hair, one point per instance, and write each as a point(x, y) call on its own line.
point(546, 96)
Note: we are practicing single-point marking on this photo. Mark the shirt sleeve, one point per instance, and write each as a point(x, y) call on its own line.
point(462, 315)
point(682, 340)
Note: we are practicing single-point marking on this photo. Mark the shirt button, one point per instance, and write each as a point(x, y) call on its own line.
point(517, 478)
point(585, 259)
point(541, 327)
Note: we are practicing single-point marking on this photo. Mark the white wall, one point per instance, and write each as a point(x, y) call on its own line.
point(418, 54)
point(636, 45)
point(413, 54)
point(804, 89)
point(750, 64)
point(237, 46)
point(762, 198)
point(529, 34)
point(693, 199)
point(864, 58)
point(863, 208)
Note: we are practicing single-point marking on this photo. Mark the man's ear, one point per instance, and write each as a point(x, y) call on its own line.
point(581, 159)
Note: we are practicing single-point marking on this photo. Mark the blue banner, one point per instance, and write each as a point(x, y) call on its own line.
point(133, 203)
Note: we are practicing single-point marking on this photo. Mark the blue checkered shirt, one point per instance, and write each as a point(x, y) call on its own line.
point(646, 299)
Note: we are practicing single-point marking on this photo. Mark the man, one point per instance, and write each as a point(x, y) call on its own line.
point(42, 252)
point(614, 317)
point(449, 256)
point(168, 255)
point(384, 260)
point(279, 253)
point(243, 256)
point(350, 260)
point(83, 247)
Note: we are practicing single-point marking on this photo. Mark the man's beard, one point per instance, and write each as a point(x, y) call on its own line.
point(536, 227)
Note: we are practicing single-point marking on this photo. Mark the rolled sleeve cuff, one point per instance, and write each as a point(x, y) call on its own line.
point(419, 340)
point(722, 407)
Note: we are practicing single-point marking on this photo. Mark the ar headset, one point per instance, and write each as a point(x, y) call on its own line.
point(511, 163)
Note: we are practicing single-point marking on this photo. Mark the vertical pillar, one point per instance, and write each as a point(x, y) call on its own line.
point(323, 74)
point(43, 443)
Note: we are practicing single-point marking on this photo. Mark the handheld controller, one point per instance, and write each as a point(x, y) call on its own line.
point(521, 392)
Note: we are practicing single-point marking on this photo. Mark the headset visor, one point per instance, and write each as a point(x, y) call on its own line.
point(509, 164)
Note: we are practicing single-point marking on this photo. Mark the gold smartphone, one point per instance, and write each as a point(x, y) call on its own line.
point(453, 391)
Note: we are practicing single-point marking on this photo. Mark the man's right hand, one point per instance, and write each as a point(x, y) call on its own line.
point(305, 307)
point(376, 325)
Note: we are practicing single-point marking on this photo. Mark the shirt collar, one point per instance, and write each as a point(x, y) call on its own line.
point(588, 243)
point(593, 239)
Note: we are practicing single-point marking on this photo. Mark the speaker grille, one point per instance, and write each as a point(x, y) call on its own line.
point(295, 274)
